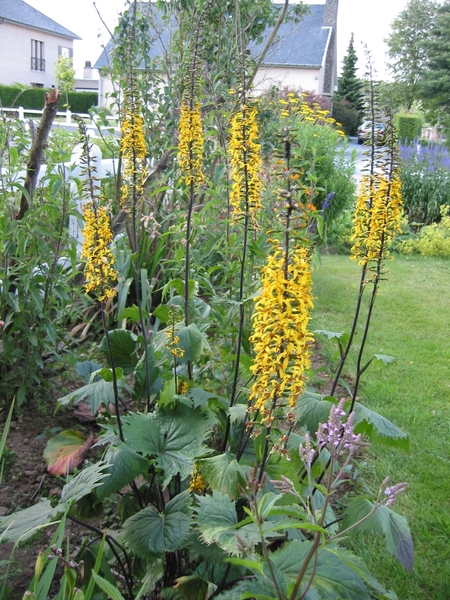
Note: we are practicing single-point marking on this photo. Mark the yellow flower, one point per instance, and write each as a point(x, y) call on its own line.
point(134, 151)
point(281, 338)
point(99, 269)
point(377, 218)
point(190, 145)
point(245, 160)
point(197, 483)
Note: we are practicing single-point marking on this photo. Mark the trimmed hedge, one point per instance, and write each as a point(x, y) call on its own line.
point(33, 99)
point(408, 126)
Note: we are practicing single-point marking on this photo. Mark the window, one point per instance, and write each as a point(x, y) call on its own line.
point(66, 52)
point(37, 85)
point(37, 56)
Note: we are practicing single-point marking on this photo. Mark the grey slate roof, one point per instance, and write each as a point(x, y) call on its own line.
point(297, 44)
point(17, 11)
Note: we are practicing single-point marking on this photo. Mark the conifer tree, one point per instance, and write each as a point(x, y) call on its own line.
point(349, 86)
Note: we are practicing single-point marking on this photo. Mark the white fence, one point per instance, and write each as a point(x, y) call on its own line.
point(67, 122)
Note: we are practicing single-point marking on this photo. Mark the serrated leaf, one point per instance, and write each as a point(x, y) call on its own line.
point(22, 524)
point(333, 578)
point(66, 451)
point(385, 522)
point(378, 428)
point(162, 312)
point(199, 396)
point(223, 473)
point(124, 466)
point(96, 393)
point(387, 360)
point(174, 437)
point(358, 565)
point(123, 348)
point(398, 537)
point(149, 533)
point(329, 334)
point(167, 395)
point(312, 409)
point(216, 520)
point(84, 482)
point(132, 314)
point(237, 413)
point(107, 587)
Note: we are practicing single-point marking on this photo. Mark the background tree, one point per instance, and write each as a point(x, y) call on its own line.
point(435, 80)
point(407, 49)
point(65, 76)
point(348, 104)
point(350, 87)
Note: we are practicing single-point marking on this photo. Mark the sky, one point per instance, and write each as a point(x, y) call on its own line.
point(369, 20)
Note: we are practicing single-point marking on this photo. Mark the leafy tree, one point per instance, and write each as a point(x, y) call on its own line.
point(435, 81)
point(65, 76)
point(349, 86)
point(407, 49)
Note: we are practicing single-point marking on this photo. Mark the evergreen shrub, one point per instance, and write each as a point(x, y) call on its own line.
point(408, 126)
point(33, 98)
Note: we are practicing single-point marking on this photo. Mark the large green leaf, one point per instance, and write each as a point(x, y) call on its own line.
point(84, 482)
point(23, 524)
point(385, 522)
point(379, 429)
point(223, 473)
point(123, 347)
point(140, 376)
point(96, 393)
point(173, 436)
point(312, 409)
point(124, 466)
point(398, 537)
point(193, 588)
point(191, 340)
point(333, 578)
point(149, 533)
point(217, 520)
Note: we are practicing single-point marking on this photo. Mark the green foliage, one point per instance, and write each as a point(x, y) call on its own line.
point(408, 127)
point(33, 98)
point(350, 87)
point(432, 240)
point(65, 76)
point(435, 77)
point(407, 48)
point(347, 115)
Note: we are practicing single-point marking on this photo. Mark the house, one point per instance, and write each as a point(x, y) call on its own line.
point(302, 57)
point(30, 43)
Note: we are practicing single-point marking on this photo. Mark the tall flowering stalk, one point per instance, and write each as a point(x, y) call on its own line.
point(190, 147)
point(281, 338)
point(133, 151)
point(99, 267)
point(245, 199)
point(376, 222)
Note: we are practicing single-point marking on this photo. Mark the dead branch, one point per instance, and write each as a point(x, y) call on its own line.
point(37, 150)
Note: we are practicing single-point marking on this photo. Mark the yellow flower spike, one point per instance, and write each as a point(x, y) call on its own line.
point(196, 482)
point(280, 337)
point(377, 218)
point(134, 151)
point(99, 269)
point(246, 163)
point(190, 145)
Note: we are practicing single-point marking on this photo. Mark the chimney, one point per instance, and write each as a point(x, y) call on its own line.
point(87, 70)
point(331, 12)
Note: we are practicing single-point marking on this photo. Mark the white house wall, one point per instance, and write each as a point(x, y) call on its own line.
point(15, 53)
point(288, 77)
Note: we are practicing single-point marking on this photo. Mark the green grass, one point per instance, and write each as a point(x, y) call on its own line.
point(411, 323)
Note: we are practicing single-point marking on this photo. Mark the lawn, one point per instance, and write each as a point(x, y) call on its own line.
point(410, 323)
